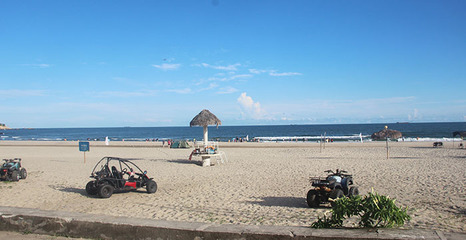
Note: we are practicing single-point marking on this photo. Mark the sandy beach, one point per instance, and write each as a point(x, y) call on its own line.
point(261, 184)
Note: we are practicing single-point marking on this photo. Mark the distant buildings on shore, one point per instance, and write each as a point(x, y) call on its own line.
point(3, 126)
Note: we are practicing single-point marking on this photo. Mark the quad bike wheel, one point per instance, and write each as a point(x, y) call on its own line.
point(105, 190)
point(313, 198)
point(151, 186)
point(15, 176)
point(90, 188)
point(336, 194)
point(353, 191)
point(23, 173)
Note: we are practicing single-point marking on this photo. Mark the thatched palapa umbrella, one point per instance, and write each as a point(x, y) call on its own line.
point(386, 133)
point(205, 118)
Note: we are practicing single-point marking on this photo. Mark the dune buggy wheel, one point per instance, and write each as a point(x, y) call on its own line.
point(105, 190)
point(313, 198)
point(23, 173)
point(91, 188)
point(15, 176)
point(353, 191)
point(151, 186)
point(336, 194)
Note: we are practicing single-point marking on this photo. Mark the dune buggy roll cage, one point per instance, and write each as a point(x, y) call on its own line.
point(121, 162)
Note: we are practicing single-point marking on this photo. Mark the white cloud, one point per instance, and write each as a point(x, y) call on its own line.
point(227, 90)
point(209, 87)
point(414, 116)
point(251, 109)
point(241, 76)
point(180, 91)
point(167, 66)
point(17, 93)
point(143, 93)
point(276, 74)
point(232, 67)
point(257, 71)
point(39, 65)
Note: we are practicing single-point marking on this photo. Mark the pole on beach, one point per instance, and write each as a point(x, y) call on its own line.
point(325, 138)
point(321, 143)
point(386, 127)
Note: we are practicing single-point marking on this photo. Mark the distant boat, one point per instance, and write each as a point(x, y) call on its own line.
point(402, 122)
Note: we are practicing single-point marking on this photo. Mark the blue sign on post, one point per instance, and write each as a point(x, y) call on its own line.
point(84, 146)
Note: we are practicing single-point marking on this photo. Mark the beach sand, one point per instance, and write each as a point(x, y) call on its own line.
point(261, 184)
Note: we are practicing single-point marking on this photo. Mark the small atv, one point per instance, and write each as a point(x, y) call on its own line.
point(335, 185)
point(118, 174)
point(11, 170)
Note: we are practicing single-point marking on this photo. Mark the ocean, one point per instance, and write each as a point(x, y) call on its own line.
point(337, 132)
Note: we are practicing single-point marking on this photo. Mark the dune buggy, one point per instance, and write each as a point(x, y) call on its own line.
point(12, 170)
point(336, 185)
point(117, 174)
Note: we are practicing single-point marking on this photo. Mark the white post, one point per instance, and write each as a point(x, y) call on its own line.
point(206, 136)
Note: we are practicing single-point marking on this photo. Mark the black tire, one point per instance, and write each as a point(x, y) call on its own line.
point(151, 186)
point(91, 189)
point(336, 194)
point(353, 191)
point(23, 173)
point(15, 176)
point(313, 199)
point(105, 190)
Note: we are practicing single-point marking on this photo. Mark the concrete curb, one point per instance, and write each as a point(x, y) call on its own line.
point(109, 227)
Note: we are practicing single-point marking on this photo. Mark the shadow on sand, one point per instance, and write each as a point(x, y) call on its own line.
point(83, 192)
point(292, 202)
point(405, 157)
point(185, 161)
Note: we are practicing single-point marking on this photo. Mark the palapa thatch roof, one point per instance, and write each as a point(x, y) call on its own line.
point(386, 133)
point(205, 118)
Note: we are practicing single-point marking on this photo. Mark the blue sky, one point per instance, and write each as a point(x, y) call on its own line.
point(159, 63)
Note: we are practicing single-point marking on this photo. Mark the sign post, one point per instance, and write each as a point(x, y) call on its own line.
point(84, 147)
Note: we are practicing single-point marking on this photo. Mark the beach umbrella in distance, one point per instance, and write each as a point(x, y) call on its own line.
point(386, 133)
point(461, 133)
point(204, 119)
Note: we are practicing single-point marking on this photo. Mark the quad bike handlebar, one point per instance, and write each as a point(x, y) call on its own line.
point(338, 172)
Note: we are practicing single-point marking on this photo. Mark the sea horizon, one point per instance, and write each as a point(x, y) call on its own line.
point(412, 131)
point(247, 125)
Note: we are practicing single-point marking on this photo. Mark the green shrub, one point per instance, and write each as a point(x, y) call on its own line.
point(374, 210)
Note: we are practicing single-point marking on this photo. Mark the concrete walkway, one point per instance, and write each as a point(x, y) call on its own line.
point(23, 236)
point(55, 223)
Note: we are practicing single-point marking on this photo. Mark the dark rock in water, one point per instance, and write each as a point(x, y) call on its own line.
point(386, 133)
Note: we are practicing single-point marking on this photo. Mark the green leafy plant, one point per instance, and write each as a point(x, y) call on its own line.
point(374, 210)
